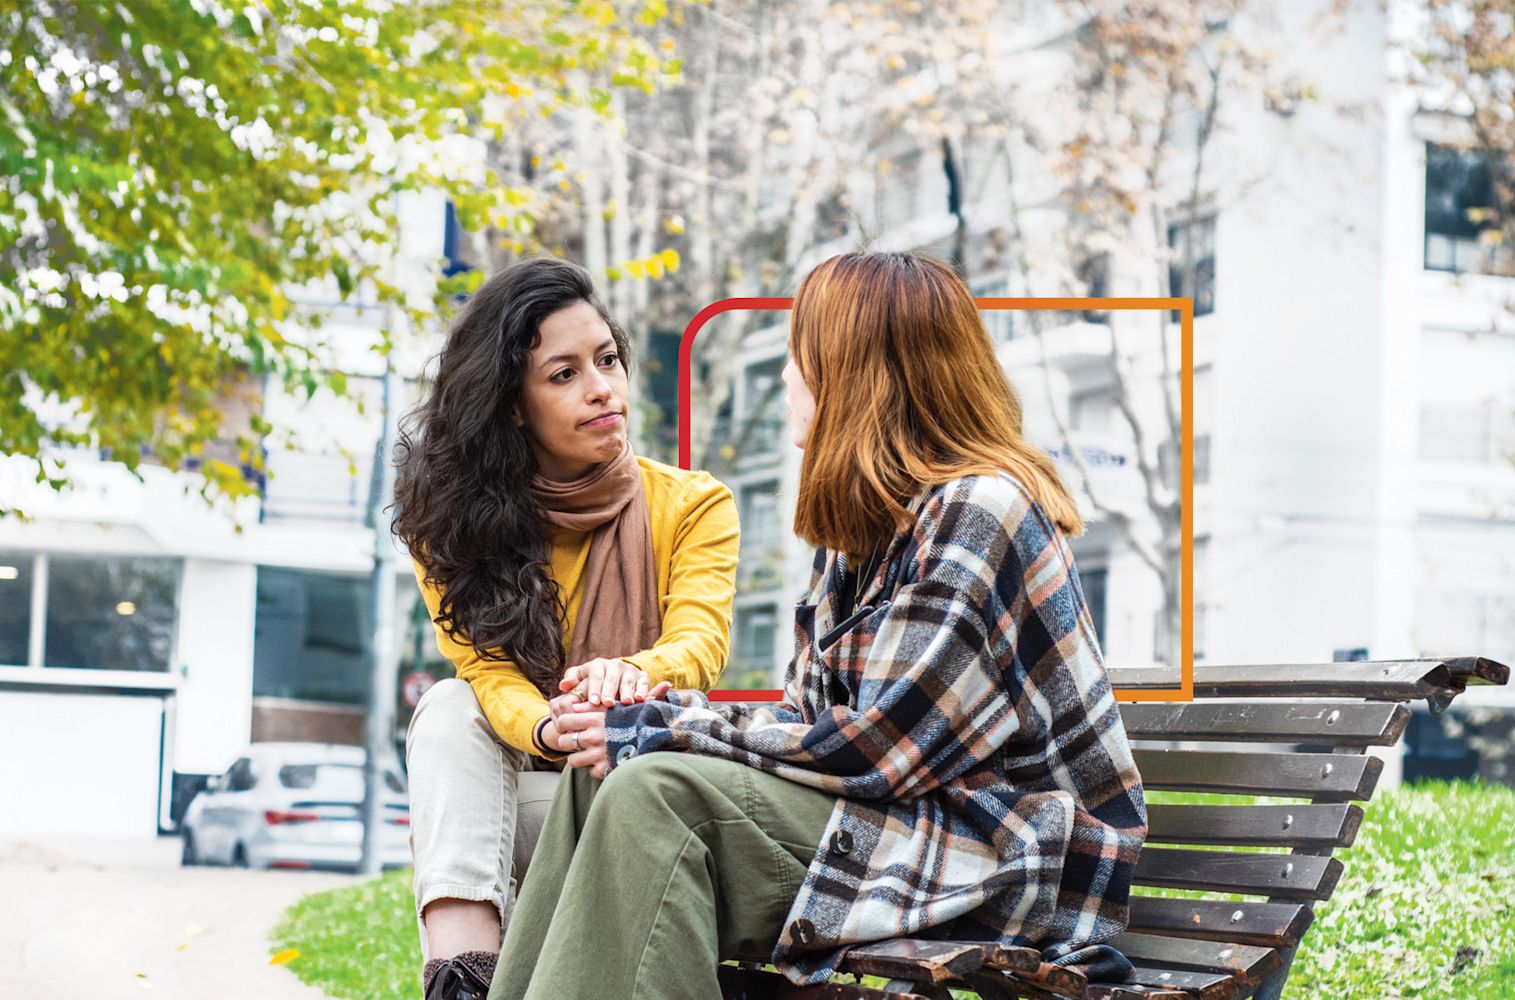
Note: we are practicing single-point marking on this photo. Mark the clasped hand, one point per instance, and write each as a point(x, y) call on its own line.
point(577, 724)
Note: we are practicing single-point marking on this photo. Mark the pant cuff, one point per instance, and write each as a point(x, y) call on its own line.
point(430, 893)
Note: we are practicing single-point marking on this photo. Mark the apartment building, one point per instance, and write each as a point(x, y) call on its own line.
point(1353, 373)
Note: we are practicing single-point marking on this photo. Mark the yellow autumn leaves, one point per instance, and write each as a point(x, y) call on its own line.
point(654, 267)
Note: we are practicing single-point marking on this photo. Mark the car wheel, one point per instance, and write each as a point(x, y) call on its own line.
point(239, 857)
point(188, 858)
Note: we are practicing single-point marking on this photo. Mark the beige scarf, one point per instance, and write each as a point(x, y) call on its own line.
point(619, 612)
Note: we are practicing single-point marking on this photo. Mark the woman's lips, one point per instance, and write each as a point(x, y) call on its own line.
point(599, 423)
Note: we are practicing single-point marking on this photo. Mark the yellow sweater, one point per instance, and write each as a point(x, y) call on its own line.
point(694, 547)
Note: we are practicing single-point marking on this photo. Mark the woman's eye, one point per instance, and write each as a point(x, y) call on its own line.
point(562, 376)
point(609, 360)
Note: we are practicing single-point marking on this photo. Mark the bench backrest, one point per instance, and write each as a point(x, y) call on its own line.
point(1321, 720)
point(1296, 732)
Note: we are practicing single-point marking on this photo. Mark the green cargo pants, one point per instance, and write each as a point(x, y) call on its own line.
point(641, 884)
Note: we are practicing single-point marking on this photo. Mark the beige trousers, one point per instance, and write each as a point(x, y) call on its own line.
point(476, 805)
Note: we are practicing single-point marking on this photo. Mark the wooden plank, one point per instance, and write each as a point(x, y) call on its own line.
point(1247, 962)
point(1269, 925)
point(1322, 722)
point(1012, 959)
point(1311, 826)
point(1054, 979)
point(1134, 991)
point(1391, 680)
point(1197, 985)
point(1284, 876)
point(918, 961)
point(1329, 777)
point(990, 984)
point(755, 984)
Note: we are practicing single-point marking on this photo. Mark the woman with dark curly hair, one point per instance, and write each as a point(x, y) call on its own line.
point(564, 574)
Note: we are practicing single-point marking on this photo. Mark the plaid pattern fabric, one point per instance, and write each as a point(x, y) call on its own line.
point(963, 717)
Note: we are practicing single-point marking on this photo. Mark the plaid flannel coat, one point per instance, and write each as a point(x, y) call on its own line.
point(962, 715)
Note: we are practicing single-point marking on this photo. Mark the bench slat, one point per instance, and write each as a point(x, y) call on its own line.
point(1255, 826)
point(1270, 925)
point(1248, 962)
point(992, 985)
point(1288, 876)
point(1301, 775)
point(1390, 680)
point(1056, 979)
point(1134, 991)
point(1326, 723)
point(755, 984)
point(1466, 670)
point(1199, 985)
point(918, 961)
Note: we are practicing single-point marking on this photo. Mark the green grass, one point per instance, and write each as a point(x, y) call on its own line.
point(358, 942)
point(1432, 872)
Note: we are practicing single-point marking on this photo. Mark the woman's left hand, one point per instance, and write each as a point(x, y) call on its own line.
point(582, 735)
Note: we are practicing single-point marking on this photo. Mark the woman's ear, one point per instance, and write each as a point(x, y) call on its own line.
point(516, 418)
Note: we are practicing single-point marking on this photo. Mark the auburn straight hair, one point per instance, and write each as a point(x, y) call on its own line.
point(908, 395)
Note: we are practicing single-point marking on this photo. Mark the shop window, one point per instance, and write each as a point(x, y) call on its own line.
point(15, 607)
point(111, 612)
point(310, 635)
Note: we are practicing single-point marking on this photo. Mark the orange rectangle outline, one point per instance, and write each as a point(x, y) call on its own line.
point(1185, 307)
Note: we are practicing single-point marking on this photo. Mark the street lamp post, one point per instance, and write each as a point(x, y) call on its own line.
point(379, 723)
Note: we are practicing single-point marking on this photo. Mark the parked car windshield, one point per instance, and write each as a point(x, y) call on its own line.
point(336, 780)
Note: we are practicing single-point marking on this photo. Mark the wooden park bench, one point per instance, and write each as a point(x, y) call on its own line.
point(1321, 719)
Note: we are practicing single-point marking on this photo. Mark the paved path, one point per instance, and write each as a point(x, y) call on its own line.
point(84, 920)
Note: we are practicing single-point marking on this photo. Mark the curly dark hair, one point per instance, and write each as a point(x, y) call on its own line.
point(464, 504)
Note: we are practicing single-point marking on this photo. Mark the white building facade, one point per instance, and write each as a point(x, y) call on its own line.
point(1354, 387)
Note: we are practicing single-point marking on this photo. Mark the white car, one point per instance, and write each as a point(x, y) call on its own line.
point(293, 805)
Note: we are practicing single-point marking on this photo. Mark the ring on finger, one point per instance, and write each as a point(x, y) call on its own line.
point(576, 746)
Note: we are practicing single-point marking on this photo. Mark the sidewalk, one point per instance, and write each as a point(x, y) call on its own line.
point(89, 919)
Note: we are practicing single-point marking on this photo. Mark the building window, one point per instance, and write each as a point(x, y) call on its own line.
point(833, 218)
point(755, 638)
point(1201, 593)
point(455, 249)
point(1459, 203)
point(309, 636)
point(1168, 457)
point(1095, 583)
point(899, 185)
point(761, 430)
point(15, 608)
point(1476, 434)
point(1091, 410)
point(1196, 237)
point(1455, 623)
point(761, 565)
point(1094, 277)
point(111, 613)
point(999, 322)
point(760, 515)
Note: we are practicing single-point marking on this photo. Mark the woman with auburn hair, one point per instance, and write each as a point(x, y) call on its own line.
point(552, 559)
point(949, 761)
